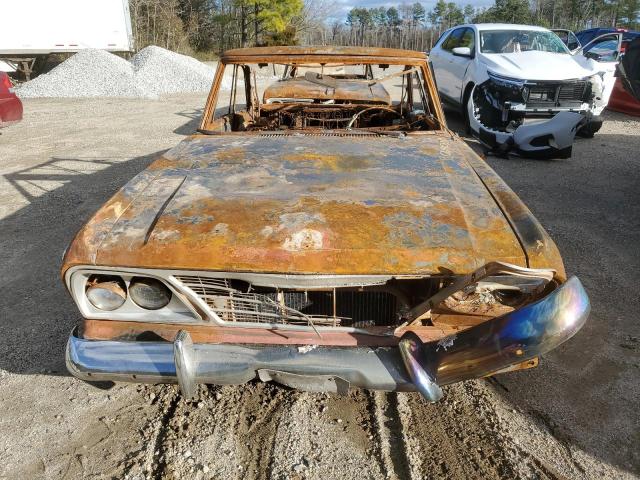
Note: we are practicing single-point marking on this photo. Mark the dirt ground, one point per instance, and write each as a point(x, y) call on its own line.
point(576, 416)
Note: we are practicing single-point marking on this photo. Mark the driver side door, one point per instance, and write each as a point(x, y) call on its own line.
point(442, 61)
point(603, 52)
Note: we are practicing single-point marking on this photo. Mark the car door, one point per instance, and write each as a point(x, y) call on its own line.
point(630, 69)
point(603, 52)
point(443, 66)
point(459, 63)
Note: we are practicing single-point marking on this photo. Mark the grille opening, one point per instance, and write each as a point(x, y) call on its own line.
point(567, 94)
point(358, 307)
point(352, 308)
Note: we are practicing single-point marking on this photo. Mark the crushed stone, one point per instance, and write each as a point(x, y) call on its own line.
point(152, 72)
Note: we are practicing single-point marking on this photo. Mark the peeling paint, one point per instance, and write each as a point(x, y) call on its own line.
point(303, 240)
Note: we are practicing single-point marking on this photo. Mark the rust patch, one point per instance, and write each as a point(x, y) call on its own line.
point(363, 206)
point(337, 163)
point(231, 155)
point(117, 330)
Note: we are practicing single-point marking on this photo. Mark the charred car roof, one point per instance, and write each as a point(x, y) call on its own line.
point(325, 54)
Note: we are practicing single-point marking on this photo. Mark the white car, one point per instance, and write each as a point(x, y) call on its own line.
point(519, 87)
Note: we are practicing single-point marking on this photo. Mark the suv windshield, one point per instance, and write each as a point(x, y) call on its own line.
point(515, 41)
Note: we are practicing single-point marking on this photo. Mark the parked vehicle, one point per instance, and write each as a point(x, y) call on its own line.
point(330, 233)
point(34, 29)
point(10, 104)
point(626, 94)
point(520, 89)
point(622, 101)
point(586, 36)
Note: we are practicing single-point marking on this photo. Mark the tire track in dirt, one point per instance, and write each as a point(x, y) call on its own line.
point(390, 449)
point(262, 406)
point(157, 448)
point(262, 431)
point(462, 437)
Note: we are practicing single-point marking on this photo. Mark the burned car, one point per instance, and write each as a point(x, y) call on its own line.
point(330, 233)
point(521, 90)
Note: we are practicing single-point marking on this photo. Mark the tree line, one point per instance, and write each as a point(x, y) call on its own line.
point(208, 27)
point(412, 27)
point(212, 26)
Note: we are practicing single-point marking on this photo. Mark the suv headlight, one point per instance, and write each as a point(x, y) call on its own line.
point(506, 81)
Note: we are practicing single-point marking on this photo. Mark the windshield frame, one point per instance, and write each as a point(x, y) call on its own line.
point(426, 85)
point(515, 31)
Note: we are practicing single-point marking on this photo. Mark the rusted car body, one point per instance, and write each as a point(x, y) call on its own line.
point(324, 241)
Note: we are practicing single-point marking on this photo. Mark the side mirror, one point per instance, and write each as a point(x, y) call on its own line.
point(462, 52)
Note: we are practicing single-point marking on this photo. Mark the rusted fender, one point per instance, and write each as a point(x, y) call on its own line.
point(540, 249)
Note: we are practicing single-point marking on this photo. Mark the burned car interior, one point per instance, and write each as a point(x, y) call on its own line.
point(326, 96)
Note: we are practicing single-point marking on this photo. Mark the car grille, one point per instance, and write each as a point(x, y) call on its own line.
point(337, 307)
point(550, 95)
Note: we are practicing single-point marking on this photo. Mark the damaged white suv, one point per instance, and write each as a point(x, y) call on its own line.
point(519, 87)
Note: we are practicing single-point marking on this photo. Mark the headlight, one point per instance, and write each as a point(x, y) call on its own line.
point(149, 293)
point(106, 292)
point(129, 295)
point(505, 81)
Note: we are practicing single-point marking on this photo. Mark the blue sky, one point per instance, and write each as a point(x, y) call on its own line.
point(343, 6)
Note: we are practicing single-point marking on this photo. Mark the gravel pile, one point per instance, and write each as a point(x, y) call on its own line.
point(151, 72)
point(88, 73)
point(159, 71)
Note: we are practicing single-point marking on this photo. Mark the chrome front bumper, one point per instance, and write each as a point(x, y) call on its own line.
point(188, 364)
point(478, 351)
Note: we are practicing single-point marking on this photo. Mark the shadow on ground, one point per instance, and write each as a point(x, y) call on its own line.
point(194, 117)
point(37, 312)
point(587, 390)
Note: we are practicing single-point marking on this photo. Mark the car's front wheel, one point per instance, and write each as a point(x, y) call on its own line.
point(590, 127)
point(467, 107)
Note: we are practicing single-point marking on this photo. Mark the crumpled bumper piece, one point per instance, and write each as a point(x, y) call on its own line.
point(483, 349)
point(488, 347)
point(551, 138)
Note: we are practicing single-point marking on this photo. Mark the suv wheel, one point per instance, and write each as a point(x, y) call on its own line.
point(589, 129)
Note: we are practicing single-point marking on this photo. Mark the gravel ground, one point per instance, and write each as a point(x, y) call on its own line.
point(573, 417)
point(153, 71)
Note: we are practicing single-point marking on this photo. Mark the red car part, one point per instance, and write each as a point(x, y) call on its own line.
point(10, 104)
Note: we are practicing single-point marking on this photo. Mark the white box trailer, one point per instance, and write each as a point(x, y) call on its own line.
point(33, 29)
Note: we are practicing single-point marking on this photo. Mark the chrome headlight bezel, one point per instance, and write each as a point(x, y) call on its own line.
point(178, 310)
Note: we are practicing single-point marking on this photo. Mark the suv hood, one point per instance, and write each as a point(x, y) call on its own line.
point(535, 65)
point(332, 204)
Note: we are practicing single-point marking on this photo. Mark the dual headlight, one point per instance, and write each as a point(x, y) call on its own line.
point(109, 292)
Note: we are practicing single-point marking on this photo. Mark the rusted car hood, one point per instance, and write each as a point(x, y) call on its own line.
point(303, 204)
